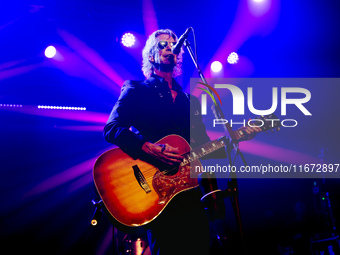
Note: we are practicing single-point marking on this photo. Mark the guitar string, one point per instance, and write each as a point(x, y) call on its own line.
point(149, 173)
point(165, 171)
point(188, 152)
point(209, 150)
point(149, 176)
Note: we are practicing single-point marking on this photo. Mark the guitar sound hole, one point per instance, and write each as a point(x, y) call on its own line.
point(169, 170)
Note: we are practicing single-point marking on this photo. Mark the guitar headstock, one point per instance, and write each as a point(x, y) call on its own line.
point(268, 122)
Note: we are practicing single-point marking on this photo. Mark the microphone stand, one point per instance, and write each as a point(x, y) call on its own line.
point(232, 190)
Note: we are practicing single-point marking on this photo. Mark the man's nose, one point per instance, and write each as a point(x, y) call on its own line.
point(169, 45)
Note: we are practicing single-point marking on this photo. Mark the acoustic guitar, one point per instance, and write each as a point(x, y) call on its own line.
point(135, 192)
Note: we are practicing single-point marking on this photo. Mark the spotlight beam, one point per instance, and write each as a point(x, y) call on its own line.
point(10, 64)
point(61, 178)
point(6, 74)
point(92, 57)
point(149, 17)
point(244, 26)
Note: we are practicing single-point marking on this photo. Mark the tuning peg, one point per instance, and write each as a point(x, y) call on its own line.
point(278, 129)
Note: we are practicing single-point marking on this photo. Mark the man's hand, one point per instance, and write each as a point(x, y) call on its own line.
point(163, 152)
point(251, 132)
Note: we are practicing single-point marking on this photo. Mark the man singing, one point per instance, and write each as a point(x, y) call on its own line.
point(149, 110)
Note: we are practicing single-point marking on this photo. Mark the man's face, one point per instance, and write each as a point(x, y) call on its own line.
point(164, 59)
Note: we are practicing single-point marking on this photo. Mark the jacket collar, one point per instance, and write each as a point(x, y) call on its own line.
point(154, 79)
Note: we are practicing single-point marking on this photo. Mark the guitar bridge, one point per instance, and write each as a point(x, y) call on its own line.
point(141, 179)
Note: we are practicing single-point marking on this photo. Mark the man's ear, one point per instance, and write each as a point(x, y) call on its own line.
point(152, 59)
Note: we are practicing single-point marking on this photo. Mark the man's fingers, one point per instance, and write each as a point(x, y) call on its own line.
point(169, 148)
point(250, 130)
point(168, 154)
point(257, 129)
point(173, 156)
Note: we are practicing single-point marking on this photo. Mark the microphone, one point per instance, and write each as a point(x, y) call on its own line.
point(176, 49)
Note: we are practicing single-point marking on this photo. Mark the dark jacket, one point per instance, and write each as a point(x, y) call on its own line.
point(145, 111)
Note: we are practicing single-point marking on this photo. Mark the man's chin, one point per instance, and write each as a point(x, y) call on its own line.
point(166, 67)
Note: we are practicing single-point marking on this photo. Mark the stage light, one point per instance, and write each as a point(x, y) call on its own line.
point(259, 7)
point(232, 58)
point(128, 39)
point(50, 52)
point(216, 66)
point(51, 107)
point(11, 105)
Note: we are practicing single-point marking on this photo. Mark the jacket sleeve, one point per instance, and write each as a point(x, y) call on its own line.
point(198, 130)
point(117, 129)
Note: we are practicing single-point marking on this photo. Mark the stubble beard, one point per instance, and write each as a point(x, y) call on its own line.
point(165, 67)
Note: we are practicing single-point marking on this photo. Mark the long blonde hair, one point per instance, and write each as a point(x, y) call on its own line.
point(151, 48)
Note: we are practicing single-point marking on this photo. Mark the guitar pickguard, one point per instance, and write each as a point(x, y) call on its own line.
point(166, 186)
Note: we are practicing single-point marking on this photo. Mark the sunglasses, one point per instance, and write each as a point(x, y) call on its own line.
point(163, 44)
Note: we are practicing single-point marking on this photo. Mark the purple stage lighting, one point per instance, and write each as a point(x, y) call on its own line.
point(216, 66)
point(50, 52)
point(128, 39)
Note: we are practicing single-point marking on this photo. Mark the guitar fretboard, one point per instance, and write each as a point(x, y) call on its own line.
point(212, 146)
point(201, 151)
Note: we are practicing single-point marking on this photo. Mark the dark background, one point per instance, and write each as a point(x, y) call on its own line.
point(47, 155)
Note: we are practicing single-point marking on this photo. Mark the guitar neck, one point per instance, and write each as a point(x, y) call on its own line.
point(202, 151)
point(237, 136)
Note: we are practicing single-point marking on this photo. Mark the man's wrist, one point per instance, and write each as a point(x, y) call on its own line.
point(146, 146)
